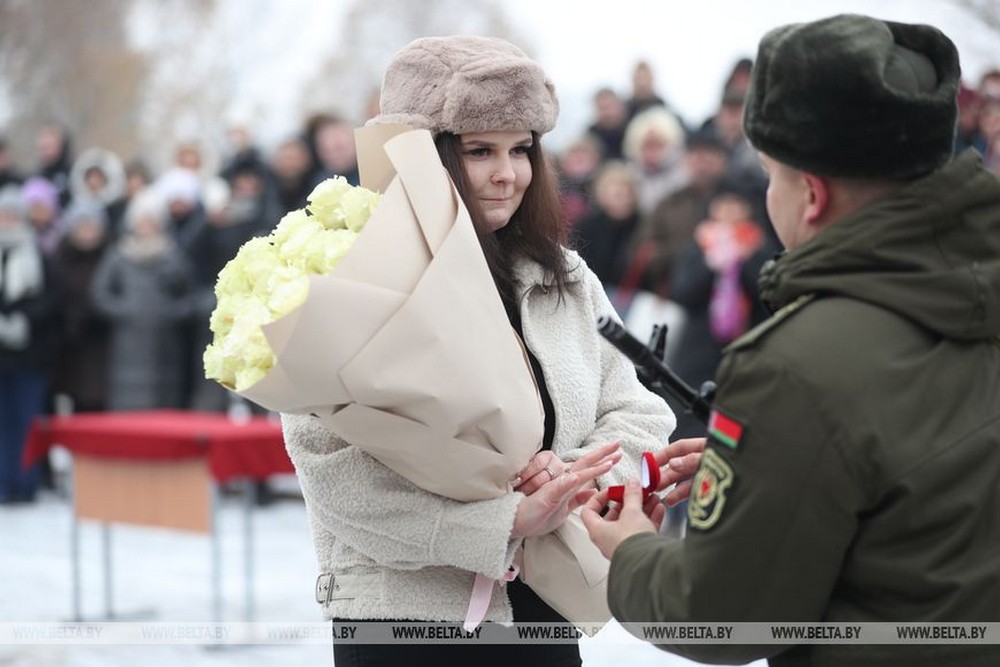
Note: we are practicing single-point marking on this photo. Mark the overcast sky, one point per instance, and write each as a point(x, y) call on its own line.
point(582, 44)
point(692, 44)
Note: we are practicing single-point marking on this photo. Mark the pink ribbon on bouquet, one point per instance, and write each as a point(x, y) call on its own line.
point(482, 592)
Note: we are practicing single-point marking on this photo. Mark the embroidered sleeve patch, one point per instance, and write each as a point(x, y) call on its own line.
point(725, 429)
point(708, 495)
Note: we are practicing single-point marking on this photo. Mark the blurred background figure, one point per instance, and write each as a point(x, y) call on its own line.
point(715, 282)
point(82, 367)
point(670, 226)
point(241, 144)
point(189, 155)
point(237, 211)
point(610, 119)
point(604, 235)
point(29, 307)
point(989, 123)
point(335, 151)
point(644, 94)
point(98, 174)
point(41, 197)
point(653, 146)
point(144, 286)
point(738, 79)
point(9, 175)
point(290, 165)
point(576, 166)
point(54, 153)
point(180, 188)
point(137, 178)
point(969, 133)
point(989, 84)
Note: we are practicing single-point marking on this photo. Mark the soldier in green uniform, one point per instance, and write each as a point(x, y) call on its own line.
point(852, 468)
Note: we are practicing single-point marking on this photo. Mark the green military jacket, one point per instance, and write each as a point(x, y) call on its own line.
point(853, 465)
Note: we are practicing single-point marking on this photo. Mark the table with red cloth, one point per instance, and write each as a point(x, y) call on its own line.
point(234, 449)
point(160, 468)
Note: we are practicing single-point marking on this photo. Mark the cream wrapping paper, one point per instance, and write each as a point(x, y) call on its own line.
point(405, 349)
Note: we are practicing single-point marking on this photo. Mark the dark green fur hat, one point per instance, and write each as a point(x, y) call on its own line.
point(855, 97)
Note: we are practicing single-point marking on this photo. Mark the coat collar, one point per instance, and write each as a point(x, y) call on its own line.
point(530, 273)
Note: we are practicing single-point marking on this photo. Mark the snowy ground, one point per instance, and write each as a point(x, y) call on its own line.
point(166, 574)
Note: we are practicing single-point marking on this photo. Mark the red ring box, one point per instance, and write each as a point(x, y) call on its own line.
point(650, 480)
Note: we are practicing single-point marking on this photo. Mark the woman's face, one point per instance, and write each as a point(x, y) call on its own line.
point(499, 172)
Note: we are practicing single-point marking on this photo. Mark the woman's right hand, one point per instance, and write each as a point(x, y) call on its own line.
point(545, 510)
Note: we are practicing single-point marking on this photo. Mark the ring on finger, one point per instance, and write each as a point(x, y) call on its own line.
point(547, 469)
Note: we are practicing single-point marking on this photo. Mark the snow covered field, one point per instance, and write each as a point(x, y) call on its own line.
point(164, 576)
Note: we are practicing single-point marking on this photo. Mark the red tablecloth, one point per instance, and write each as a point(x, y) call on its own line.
point(254, 449)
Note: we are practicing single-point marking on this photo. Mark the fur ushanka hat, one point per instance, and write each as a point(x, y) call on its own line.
point(855, 97)
point(464, 84)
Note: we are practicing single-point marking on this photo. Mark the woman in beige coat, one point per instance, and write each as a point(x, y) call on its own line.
point(390, 550)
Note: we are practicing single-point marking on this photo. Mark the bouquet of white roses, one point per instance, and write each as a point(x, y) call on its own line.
point(390, 331)
point(269, 278)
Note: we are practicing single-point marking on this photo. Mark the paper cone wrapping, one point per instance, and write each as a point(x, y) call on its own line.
point(405, 349)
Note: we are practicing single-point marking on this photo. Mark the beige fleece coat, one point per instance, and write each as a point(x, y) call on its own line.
point(399, 552)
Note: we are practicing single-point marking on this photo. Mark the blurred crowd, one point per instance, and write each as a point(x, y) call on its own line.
point(107, 269)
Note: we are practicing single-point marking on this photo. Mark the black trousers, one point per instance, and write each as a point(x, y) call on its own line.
point(528, 607)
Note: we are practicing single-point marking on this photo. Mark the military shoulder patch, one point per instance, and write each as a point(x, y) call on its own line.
point(708, 494)
point(725, 429)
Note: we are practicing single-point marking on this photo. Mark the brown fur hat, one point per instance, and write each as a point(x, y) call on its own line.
point(464, 84)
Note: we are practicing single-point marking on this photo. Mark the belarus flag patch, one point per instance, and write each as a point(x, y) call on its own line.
point(725, 429)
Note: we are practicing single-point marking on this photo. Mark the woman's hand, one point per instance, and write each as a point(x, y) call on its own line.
point(544, 511)
point(678, 463)
point(545, 466)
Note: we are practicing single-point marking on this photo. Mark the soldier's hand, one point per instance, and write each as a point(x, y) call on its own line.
point(679, 462)
point(619, 522)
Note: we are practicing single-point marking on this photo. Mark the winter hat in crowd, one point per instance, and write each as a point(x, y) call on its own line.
point(179, 184)
point(38, 190)
point(104, 161)
point(148, 204)
point(855, 97)
point(85, 210)
point(464, 84)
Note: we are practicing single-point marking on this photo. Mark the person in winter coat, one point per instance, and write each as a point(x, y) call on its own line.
point(852, 470)
point(398, 552)
point(29, 307)
point(81, 370)
point(54, 150)
point(41, 198)
point(244, 210)
point(143, 285)
point(715, 282)
point(604, 236)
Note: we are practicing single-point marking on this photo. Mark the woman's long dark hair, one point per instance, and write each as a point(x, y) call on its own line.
point(536, 229)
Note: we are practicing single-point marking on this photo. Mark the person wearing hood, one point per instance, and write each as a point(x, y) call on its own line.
point(143, 286)
point(97, 174)
point(29, 306)
point(852, 468)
